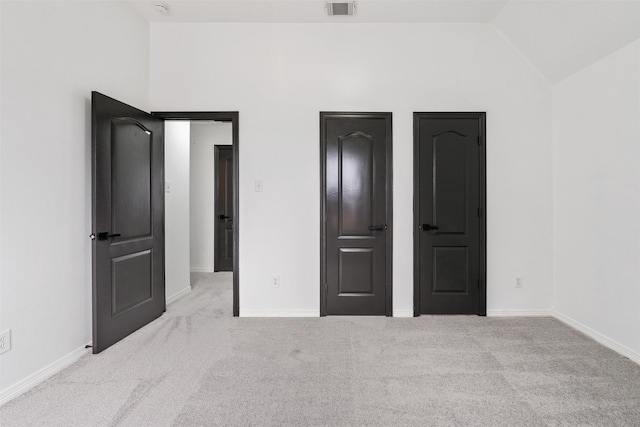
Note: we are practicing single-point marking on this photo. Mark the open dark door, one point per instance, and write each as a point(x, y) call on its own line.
point(128, 219)
point(450, 233)
point(223, 253)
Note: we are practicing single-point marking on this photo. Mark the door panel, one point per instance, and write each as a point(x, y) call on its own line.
point(450, 183)
point(450, 270)
point(128, 217)
point(449, 187)
point(131, 280)
point(224, 201)
point(355, 184)
point(131, 149)
point(356, 270)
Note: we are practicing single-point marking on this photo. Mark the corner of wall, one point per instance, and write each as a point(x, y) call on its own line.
point(525, 57)
point(598, 187)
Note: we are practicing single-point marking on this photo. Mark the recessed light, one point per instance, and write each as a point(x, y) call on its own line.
point(162, 8)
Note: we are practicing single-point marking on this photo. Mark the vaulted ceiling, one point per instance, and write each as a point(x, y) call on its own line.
point(562, 37)
point(559, 37)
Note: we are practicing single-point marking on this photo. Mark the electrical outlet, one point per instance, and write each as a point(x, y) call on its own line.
point(259, 186)
point(275, 282)
point(519, 281)
point(5, 341)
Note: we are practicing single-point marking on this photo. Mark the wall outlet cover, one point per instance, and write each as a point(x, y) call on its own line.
point(5, 341)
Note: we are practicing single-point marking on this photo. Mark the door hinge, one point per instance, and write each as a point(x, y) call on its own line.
point(326, 288)
point(479, 213)
point(479, 143)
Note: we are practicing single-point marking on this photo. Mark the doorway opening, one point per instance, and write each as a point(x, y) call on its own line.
point(221, 123)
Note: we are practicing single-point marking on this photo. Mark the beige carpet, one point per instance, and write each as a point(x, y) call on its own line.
point(199, 366)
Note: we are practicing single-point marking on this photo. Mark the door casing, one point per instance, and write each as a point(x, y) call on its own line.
point(481, 117)
point(233, 118)
point(389, 205)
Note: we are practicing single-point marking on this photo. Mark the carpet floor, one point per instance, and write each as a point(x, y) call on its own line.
point(198, 366)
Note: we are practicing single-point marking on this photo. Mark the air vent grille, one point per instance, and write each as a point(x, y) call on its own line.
point(341, 9)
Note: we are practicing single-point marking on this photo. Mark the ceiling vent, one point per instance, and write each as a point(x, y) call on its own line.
point(341, 9)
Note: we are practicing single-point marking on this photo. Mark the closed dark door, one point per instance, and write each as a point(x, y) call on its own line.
point(450, 193)
point(128, 211)
point(356, 217)
point(223, 253)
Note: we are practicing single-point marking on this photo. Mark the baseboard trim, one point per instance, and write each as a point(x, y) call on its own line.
point(279, 313)
point(175, 297)
point(518, 313)
point(201, 270)
point(403, 313)
point(41, 375)
point(598, 337)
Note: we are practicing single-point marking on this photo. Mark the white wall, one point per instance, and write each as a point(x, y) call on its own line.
point(596, 166)
point(176, 205)
point(53, 55)
point(279, 76)
point(204, 136)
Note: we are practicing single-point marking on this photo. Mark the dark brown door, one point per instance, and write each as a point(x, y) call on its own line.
point(450, 225)
point(223, 253)
point(356, 213)
point(128, 212)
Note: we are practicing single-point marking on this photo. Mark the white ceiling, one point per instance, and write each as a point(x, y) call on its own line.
point(559, 37)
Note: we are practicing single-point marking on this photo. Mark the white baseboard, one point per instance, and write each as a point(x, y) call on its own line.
point(403, 313)
point(519, 312)
point(42, 375)
point(201, 270)
point(175, 297)
point(597, 336)
point(279, 313)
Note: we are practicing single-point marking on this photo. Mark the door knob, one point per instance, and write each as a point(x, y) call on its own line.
point(105, 235)
point(427, 227)
point(377, 227)
point(223, 217)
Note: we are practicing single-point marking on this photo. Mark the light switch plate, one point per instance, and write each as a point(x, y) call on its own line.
point(259, 186)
